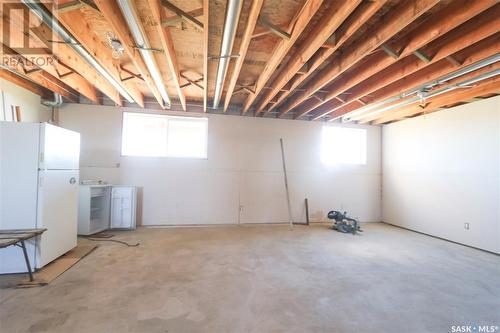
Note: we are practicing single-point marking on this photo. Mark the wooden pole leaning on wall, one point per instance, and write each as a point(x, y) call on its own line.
point(290, 221)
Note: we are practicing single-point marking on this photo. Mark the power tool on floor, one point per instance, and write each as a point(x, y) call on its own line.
point(344, 223)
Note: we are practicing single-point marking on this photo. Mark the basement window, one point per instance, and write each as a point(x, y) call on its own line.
point(341, 145)
point(157, 135)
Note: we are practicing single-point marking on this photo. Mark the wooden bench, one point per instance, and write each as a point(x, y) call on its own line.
point(16, 237)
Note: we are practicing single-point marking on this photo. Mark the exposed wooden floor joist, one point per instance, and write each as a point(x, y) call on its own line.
point(309, 59)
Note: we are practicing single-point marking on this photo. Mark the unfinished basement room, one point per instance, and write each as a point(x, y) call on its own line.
point(250, 166)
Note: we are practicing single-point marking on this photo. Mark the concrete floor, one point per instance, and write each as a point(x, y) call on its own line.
point(265, 279)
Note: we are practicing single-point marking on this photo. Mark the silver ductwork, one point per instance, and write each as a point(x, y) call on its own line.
point(421, 90)
point(230, 26)
point(142, 43)
point(55, 103)
point(54, 107)
point(39, 10)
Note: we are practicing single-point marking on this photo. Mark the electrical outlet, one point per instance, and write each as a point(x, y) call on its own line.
point(466, 226)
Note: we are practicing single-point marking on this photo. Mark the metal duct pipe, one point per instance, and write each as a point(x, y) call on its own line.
point(230, 26)
point(478, 65)
point(57, 102)
point(144, 47)
point(54, 105)
point(423, 94)
point(39, 10)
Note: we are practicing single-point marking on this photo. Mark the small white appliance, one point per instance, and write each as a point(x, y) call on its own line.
point(105, 207)
point(39, 176)
point(93, 209)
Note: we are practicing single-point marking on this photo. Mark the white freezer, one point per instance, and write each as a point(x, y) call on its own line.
point(38, 189)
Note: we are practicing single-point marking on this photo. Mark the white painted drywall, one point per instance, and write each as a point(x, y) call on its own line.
point(443, 170)
point(31, 109)
point(243, 168)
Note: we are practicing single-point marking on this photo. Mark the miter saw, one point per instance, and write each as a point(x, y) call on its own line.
point(344, 223)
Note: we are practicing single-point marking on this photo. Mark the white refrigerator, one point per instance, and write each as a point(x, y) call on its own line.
point(39, 176)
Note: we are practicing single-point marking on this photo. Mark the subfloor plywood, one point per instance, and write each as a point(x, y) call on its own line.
point(50, 272)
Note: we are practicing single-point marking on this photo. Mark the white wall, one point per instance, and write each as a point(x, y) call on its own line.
point(243, 168)
point(443, 170)
point(31, 109)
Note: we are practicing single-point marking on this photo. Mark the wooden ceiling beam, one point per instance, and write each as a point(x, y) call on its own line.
point(70, 6)
point(262, 31)
point(22, 82)
point(131, 74)
point(353, 23)
point(75, 5)
point(390, 51)
point(245, 43)
point(453, 61)
point(488, 86)
point(390, 24)
point(82, 31)
point(179, 12)
point(193, 82)
point(168, 48)
point(472, 54)
point(331, 20)
point(425, 99)
point(112, 14)
point(422, 56)
point(470, 33)
point(431, 29)
point(274, 29)
point(70, 58)
point(61, 52)
point(475, 53)
point(205, 53)
point(280, 51)
point(42, 78)
point(77, 82)
point(174, 20)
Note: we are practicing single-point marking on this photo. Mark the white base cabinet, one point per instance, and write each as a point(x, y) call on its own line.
point(123, 207)
point(105, 207)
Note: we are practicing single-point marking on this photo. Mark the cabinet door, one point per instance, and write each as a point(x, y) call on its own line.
point(123, 208)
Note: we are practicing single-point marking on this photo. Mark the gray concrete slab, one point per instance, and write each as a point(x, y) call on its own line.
point(265, 279)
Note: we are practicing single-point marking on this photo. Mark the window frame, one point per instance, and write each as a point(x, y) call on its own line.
point(167, 155)
point(331, 160)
